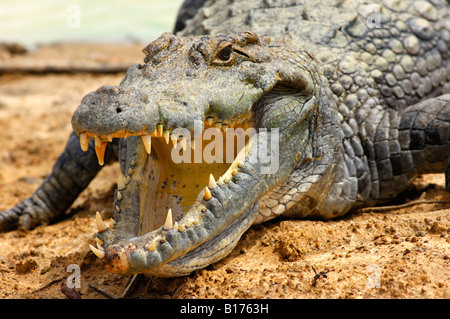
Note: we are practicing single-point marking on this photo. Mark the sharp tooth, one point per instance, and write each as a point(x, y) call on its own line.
point(121, 182)
point(220, 181)
point(181, 228)
point(109, 137)
point(100, 148)
point(98, 141)
point(100, 247)
point(119, 196)
point(99, 241)
point(152, 246)
point(175, 226)
point(208, 194)
point(101, 225)
point(160, 129)
point(212, 182)
point(99, 253)
point(84, 141)
point(147, 141)
point(209, 120)
point(234, 172)
point(174, 139)
point(166, 136)
point(218, 125)
point(168, 224)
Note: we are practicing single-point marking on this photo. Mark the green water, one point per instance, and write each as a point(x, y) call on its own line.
point(39, 22)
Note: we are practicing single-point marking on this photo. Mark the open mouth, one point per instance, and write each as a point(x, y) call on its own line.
point(168, 181)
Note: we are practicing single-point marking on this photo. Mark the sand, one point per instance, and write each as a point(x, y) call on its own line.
point(399, 253)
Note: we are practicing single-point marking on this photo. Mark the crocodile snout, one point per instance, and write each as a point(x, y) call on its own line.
point(114, 109)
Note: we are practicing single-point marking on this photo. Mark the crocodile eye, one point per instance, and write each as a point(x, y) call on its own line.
point(225, 53)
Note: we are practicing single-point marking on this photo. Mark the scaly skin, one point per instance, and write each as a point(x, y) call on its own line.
point(350, 106)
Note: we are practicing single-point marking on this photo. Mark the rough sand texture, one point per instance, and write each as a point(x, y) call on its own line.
point(402, 253)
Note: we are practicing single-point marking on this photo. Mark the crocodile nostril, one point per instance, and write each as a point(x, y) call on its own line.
point(118, 109)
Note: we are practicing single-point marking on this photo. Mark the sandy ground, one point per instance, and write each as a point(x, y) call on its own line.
point(402, 253)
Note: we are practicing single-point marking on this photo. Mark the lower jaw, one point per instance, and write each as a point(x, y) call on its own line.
point(210, 252)
point(176, 254)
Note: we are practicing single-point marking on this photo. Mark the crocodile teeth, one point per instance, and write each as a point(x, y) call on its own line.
point(121, 182)
point(99, 247)
point(109, 137)
point(147, 141)
point(101, 225)
point(100, 148)
point(208, 194)
point(220, 181)
point(99, 253)
point(166, 136)
point(84, 141)
point(168, 224)
point(174, 139)
point(99, 241)
point(98, 141)
point(209, 120)
point(159, 129)
point(212, 182)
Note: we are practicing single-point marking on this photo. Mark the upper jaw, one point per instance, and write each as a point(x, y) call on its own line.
point(114, 110)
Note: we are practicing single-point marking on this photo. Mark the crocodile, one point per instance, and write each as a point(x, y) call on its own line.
point(334, 105)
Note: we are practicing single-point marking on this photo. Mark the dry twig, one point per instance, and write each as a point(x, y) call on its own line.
point(380, 209)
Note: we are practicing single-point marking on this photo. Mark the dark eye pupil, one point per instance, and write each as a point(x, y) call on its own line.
point(225, 53)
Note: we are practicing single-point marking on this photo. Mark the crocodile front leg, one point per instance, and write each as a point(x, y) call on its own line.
point(72, 172)
point(405, 144)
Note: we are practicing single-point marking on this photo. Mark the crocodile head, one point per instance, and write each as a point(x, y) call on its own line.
point(209, 125)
